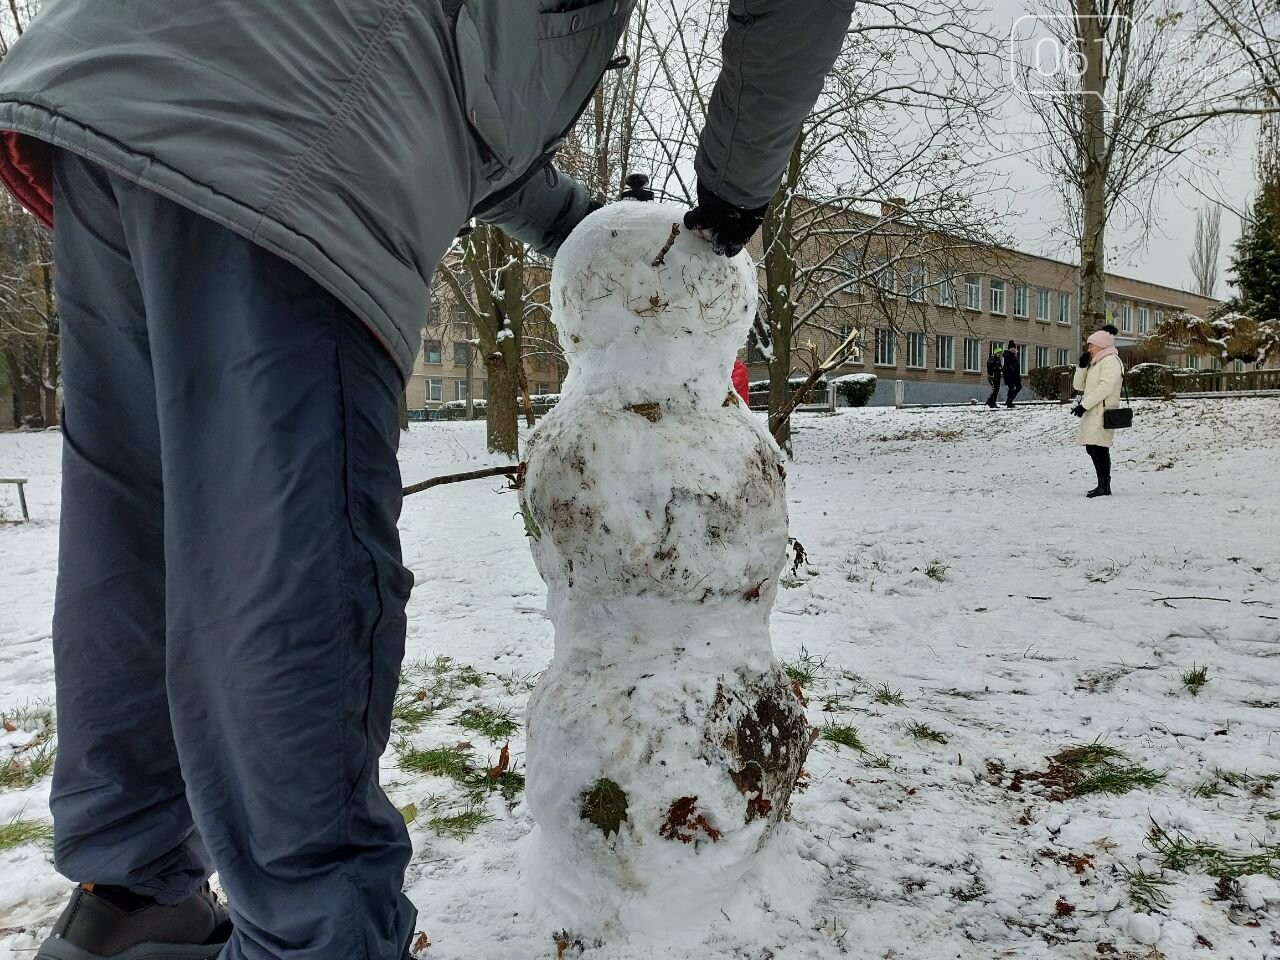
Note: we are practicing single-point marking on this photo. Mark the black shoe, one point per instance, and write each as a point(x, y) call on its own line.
point(110, 923)
point(1099, 492)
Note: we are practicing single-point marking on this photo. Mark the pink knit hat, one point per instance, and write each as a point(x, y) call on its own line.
point(1100, 338)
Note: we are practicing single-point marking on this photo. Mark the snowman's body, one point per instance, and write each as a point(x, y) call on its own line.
point(664, 740)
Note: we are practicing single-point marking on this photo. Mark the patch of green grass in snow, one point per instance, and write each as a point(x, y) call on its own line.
point(922, 731)
point(804, 670)
point(843, 735)
point(460, 826)
point(889, 698)
point(1184, 853)
point(494, 724)
point(1195, 678)
point(1147, 891)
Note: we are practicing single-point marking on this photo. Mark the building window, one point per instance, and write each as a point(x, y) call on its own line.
point(433, 390)
point(972, 354)
point(1193, 362)
point(917, 278)
point(886, 278)
point(431, 351)
point(1042, 356)
point(973, 292)
point(484, 390)
point(1020, 301)
point(944, 357)
point(542, 388)
point(1042, 305)
point(1064, 356)
point(997, 295)
point(915, 350)
point(459, 389)
point(1159, 318)
point(1022, 358)
point(461, 354)
point(1144, 319)
point(1237, 366)
point(947, 292)
point(885, 355)
point(1064, 309)
point(1126, 317)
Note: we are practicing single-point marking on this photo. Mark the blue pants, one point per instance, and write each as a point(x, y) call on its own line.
point(229, 621)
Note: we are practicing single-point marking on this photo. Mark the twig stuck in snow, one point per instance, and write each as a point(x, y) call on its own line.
point(838, 356)
point(661, 258)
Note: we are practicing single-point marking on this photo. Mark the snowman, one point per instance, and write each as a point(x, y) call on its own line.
point(664, 740)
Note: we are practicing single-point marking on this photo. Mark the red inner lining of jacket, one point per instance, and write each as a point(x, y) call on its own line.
point(26, 168)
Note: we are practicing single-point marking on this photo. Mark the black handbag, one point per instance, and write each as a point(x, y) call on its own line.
point(1118, 418)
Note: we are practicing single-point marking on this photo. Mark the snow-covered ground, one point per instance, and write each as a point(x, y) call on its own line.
point(965, 611)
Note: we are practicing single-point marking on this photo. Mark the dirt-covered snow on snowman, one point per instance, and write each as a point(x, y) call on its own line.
point(664, 740)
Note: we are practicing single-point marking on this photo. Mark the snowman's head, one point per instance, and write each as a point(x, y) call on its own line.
point(647, 316)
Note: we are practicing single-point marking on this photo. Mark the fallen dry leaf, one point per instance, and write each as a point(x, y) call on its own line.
point(504, 761)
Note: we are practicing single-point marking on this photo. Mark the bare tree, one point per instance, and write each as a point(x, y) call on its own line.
point(500, 287)
point(29, 326)
point(901, 112)
point(1118, 116)
point(1206, 249)
point(1242, 39)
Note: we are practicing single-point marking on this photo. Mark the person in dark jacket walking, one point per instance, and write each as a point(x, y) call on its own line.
point(1012, 361)
point(249, 201)
point(994, 367)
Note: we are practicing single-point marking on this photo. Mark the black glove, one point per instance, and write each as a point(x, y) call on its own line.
point(1078, 410)
point(1085, 359)
point(730, 227)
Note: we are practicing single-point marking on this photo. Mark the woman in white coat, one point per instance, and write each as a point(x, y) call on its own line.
point(1099, 379)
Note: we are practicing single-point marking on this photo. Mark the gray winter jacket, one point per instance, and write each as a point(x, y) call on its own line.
point(354, 137)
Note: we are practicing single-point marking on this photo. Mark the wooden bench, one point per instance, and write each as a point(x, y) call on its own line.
point(22, 496)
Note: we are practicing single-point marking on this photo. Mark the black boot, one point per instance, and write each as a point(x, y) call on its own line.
point(111, 922)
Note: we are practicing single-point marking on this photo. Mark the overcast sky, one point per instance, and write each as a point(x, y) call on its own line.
point(1161, 255)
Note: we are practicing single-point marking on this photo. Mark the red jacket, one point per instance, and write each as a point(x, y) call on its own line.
point(739, 378)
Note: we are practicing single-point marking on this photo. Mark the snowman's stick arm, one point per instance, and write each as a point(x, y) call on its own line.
point(512, 472)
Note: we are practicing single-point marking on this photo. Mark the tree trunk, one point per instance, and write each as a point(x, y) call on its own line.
point(471, 386)
point(404, 409)
point(780, 308)
point(1090, 32)
point(502, 359)
point(51, 372)
point(502, 410)
point(9, 379)
point(523, 378)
